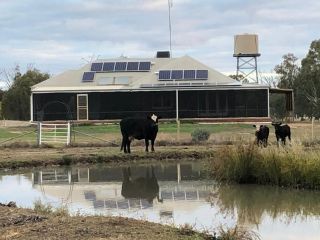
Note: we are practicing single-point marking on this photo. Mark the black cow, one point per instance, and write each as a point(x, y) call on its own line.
point(139, 128)
point(140, 188)
point(262, 134)
point(282, 132)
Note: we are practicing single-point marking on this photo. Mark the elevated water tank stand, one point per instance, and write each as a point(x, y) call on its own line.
point(247, 67)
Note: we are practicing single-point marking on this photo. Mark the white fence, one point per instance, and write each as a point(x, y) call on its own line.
point(54, 133)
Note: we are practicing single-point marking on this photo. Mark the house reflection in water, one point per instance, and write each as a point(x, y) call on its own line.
point(160, 188)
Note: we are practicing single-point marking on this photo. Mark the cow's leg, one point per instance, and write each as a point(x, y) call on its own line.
point(128, 146)
point(283, 140)
point(289, 136)
point(152, 145)
point(147, 144)
point(123, 144)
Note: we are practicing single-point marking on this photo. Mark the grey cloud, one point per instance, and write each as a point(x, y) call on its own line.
point(203, 29)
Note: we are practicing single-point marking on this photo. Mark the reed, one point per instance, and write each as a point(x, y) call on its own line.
point(285, 167)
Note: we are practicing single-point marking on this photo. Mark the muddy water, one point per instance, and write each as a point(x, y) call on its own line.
point(168, 193)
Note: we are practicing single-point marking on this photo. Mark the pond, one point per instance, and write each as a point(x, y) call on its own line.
point(169, 193)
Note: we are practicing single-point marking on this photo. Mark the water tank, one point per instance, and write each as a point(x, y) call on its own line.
point(246, 45)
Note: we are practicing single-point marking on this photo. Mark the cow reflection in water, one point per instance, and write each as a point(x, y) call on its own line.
point(140, 188)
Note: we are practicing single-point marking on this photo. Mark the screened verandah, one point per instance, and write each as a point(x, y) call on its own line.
point(192, 104)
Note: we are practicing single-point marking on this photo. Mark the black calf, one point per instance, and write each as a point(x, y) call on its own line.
point(262, 134)
point(282, 132)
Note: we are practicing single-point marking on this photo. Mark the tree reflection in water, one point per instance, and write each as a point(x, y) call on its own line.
point(250, 202)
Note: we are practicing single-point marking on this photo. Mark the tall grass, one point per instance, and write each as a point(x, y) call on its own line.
point(46, 209)
point(237, 233)
point(288, 167)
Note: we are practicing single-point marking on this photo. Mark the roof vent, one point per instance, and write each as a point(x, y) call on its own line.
point(163, 54)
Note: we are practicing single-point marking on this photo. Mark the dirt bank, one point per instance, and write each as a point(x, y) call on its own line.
point(17, 223)
point(12, 158)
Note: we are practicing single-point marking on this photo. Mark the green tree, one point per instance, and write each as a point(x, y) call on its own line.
point(16, 100)
point(308, 82)
point(287, 71)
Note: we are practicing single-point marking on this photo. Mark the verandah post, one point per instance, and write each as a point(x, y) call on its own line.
point(68, 134)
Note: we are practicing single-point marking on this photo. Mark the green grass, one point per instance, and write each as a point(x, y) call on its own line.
point(167, 128)
point(10, 132)
point(212, 128)
point(98, 129)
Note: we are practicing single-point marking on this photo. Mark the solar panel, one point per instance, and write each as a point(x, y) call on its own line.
point(121, 66)
point(108, 66)
point(202, 74)
point(88, 76)
point(133, 66)
point(176, 74)
point(144, 66)
point(189, 74)
point(96, 67)
point(165, 75)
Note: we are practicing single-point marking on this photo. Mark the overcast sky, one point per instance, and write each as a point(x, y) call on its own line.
point(56, 35)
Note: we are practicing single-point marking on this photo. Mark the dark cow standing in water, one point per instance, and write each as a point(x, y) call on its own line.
point(140, 188)
point(282, 132)
point(139, 128)
point(262, 134)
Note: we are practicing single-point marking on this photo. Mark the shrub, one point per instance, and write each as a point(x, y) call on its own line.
point(199, 135)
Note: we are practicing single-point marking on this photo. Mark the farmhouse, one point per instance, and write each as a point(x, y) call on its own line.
point(174, 88)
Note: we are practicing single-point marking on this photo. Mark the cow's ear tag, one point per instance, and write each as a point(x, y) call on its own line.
point(154, 118)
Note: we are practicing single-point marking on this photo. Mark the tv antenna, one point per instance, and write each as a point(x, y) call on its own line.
point(170, 4)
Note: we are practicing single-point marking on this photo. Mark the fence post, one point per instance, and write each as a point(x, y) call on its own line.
point(68, 134)
point(55, 133)
point(312, 128)
point(39, 133)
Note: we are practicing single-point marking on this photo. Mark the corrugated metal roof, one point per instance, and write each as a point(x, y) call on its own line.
point(72, 80)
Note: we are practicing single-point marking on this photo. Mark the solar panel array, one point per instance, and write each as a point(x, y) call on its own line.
point(166, 75)
point(121, 66)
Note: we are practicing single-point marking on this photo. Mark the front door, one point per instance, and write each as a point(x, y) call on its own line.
point(82, 106)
